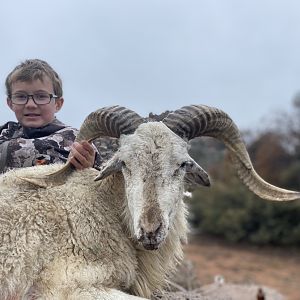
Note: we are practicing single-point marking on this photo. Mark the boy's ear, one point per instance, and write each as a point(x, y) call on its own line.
point(59, 103)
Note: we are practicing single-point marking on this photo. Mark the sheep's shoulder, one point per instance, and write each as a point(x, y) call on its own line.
point(78, 219)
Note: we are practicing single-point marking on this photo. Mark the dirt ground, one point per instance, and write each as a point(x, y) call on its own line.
point(278, 268)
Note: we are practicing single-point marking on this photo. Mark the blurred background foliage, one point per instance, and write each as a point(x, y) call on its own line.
point(228, 209)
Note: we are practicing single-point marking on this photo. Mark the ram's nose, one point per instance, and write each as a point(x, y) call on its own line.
point(152, 237)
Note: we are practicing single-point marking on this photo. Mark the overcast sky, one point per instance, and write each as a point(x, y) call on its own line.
point(154, 55)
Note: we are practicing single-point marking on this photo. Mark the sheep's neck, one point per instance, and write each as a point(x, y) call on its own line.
point(154, 267)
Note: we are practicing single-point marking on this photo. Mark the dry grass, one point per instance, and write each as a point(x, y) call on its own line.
point(276, 268)
point(185, 285)
point(245, 268)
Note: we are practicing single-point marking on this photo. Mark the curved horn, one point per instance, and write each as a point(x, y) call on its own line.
point(108, 121)
point(199, 120)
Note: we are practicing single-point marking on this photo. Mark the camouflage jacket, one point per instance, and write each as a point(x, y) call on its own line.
point(24, 147)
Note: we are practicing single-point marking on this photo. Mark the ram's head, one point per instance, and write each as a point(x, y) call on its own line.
point(154, 162)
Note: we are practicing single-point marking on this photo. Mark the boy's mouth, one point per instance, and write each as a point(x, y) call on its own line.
point(31, 115)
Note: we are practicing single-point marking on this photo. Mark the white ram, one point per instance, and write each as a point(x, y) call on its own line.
point(68, 236)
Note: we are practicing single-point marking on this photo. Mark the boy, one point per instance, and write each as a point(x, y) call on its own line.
point(34, 94)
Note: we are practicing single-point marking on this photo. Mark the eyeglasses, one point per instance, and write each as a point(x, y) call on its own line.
point(39, 98)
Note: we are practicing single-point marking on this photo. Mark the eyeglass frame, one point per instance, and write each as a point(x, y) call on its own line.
point(51, 96)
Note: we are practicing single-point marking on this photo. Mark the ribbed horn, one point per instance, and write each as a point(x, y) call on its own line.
point(109, 121)
point(199, 120)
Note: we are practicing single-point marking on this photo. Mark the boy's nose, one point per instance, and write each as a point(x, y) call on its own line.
point(30, 102)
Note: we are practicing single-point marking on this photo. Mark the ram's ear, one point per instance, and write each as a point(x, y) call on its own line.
point(195, 175)
point(56, 178)
point(110, 167)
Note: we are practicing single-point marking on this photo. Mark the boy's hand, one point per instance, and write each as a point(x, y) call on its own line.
point(82, 155)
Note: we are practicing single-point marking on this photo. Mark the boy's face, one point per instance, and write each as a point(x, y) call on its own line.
point(31, 114)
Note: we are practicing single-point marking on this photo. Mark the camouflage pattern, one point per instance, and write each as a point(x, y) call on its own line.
point(106, 147)
point(24, 147)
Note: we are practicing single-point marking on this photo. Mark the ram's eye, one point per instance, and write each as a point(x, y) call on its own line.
point(186, 164)
point(125, 168)
point(183, 165)
point(123, 165)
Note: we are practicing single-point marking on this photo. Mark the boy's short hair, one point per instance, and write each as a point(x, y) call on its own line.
point(33, 69)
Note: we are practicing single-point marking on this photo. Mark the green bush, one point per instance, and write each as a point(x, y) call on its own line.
point(231, 211)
